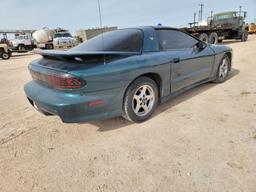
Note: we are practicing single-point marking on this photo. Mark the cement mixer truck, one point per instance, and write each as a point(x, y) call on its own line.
point(43, 38)
point(53, 38)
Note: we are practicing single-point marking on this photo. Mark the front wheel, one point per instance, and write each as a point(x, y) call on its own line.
point(140, 100)
point(5, 56)
point(223, 70)
point(244, 36)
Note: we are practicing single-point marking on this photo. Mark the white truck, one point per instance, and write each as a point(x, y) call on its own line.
point(63, 40)
point(22, 42)
point(53, 39)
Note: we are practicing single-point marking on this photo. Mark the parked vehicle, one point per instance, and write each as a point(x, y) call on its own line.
point(252, 28)
point(63, 40)
point(5, 52)
point(129, 74)
point(227, 25)
point(22, 43)
point(53, 38)
point(44, 38)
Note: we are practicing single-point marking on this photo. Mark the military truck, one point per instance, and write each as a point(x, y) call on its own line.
point(227, 25)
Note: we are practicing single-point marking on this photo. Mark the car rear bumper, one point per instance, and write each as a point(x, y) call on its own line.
point(75, 107)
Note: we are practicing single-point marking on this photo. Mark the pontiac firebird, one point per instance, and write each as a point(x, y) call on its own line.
point(126, 72)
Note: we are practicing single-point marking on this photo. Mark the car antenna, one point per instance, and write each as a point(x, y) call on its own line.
point(102, 31)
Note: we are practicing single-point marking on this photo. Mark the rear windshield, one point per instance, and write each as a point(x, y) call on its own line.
point(125, 40)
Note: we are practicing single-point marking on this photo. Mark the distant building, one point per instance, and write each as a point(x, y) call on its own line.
point(87, 34)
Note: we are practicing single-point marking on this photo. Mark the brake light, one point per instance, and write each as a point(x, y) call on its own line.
point(58, 80)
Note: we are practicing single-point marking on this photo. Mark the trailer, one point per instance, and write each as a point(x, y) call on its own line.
point(221, 26)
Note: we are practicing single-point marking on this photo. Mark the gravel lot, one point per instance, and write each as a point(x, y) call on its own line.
point(204, 140)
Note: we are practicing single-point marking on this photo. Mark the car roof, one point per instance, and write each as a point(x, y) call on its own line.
point(156, 27)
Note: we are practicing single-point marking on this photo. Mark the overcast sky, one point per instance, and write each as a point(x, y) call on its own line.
point(75, 14)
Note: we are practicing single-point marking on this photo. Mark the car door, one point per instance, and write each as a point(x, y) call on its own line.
point(189, 63)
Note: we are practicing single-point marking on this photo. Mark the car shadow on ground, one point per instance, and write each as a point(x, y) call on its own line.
point(119, 122)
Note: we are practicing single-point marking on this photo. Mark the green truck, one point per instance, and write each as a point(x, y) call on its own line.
point(227, 25)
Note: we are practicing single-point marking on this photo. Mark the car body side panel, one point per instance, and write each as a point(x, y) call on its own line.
point(119, 74)
point(194, 66)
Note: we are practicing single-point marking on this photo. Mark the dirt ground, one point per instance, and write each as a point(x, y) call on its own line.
point(203, 140)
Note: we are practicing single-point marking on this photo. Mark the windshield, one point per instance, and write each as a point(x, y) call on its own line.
point(62, 35)
point(225, 16)
point(125, 40)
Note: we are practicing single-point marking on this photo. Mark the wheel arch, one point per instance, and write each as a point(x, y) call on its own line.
point(21, 44)
point(155, 77)
point(229, 54)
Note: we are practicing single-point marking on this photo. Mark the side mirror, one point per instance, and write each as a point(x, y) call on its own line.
point(201, 45)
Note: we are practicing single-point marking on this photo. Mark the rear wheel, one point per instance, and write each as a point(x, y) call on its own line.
point(213, 38)
point(22, 48)
point(223, 70)
point(5, 56)
point(204, 37)
point(141, 99)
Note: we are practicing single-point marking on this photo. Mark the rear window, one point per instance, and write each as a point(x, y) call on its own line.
point(125, 40)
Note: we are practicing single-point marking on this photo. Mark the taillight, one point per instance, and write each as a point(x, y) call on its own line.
point(58, 80)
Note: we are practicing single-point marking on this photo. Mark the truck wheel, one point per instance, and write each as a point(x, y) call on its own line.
point(49, 46)
point(213, 38)
point(204, 37)
point(5, 56)
point(140, 100)
point(22, 48)
point(244, 36)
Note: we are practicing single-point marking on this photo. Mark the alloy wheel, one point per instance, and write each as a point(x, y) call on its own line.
point(223, 70)
point(143, 100)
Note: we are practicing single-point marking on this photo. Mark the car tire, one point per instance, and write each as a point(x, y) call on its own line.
point(204, 37)
point(213, 38)
point(244, 36)
point(140, 100)
point(223, 70)
point(49, 46)
point(5, 56)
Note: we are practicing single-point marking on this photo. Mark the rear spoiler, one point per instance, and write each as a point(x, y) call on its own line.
point(70, 54)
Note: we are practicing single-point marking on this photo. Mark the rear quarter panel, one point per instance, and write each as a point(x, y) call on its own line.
point(120, 73)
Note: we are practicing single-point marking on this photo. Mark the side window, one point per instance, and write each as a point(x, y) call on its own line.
point(172, 39)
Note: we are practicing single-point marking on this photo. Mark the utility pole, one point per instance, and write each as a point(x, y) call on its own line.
point(211, 14)
point(194, 19)
point(199, 16)
point(201, 11)
point(240, 11)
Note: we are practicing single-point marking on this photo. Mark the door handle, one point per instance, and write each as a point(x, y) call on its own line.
point(176, 60)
